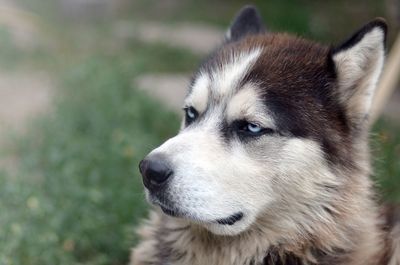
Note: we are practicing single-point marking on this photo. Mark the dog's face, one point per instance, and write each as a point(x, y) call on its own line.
point(269, 120)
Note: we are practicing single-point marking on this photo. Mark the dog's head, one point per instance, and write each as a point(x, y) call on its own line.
point(269, 121)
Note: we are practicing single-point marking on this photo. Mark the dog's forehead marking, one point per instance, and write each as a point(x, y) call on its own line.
point(248, 104)
point(198, 96)
point(228, 75)
point(223, 78)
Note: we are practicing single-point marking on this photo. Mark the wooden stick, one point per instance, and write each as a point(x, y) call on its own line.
point(388, 81)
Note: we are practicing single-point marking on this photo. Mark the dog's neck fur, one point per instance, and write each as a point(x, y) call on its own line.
point(354, 237)
point(175, 242)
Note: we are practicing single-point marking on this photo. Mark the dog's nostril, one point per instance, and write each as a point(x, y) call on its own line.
point(158, 172)
point(155, 172)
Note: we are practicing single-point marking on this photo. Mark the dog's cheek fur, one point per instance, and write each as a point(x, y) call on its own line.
point(210, 190)
point(303, 184)
point(276, 174)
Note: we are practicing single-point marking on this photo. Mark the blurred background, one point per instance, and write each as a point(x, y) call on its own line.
point(88, 87)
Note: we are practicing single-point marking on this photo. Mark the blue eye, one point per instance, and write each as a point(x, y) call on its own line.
point(190, 114)
point(246, 128)
point(253, 128)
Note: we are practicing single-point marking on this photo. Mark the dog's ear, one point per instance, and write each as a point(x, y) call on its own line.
point(247, 22)
point(358, 63)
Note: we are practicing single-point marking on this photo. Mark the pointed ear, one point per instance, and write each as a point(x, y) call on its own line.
point(247, 22)
point(358, 63)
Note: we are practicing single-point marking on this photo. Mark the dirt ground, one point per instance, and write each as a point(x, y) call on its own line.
point(23, 95)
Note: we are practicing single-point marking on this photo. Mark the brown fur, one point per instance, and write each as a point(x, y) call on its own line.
point(349, 231)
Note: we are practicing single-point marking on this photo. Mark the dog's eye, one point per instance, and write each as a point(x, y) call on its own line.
point(190, 114)
point(252, 129)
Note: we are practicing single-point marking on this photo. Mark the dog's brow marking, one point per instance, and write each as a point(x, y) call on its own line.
point(199, 95)
point(247, 104)
point(228, 76)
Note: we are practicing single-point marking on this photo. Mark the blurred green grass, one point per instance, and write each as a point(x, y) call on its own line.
point(385, 153)
point(77, 194)
point(78, 191)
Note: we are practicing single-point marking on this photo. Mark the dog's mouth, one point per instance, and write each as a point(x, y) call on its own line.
point(167, 209)
point(231, 220)
point(170, 212)
point(174, 212)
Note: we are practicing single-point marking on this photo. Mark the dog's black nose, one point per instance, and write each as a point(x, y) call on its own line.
point(155, 172)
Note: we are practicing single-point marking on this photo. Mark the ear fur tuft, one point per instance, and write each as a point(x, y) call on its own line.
point(358, 63)
point(247, 22)
point(376, 23)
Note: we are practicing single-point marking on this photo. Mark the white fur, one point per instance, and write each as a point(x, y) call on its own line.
point(247, 105)
point(359, 68)
point(227, 77)
point(199, 94)
point(228, 34)
point(213, 181)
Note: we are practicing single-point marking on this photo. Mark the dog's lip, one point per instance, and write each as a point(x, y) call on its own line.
point(174, 212)
point(169, 211)
point(231, 220)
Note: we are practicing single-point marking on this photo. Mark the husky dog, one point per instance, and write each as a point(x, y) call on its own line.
point(271, 164)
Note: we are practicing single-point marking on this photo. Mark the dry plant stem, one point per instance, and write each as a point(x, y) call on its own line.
point(388, 81)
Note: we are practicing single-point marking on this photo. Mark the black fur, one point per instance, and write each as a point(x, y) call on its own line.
point(247, 22)
point(358, 36)
point(274, 258)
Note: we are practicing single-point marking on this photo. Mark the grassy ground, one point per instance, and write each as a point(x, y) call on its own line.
point(385, 146)
point(77, 194)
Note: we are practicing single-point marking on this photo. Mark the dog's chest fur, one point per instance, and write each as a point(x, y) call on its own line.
point(169, 241)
